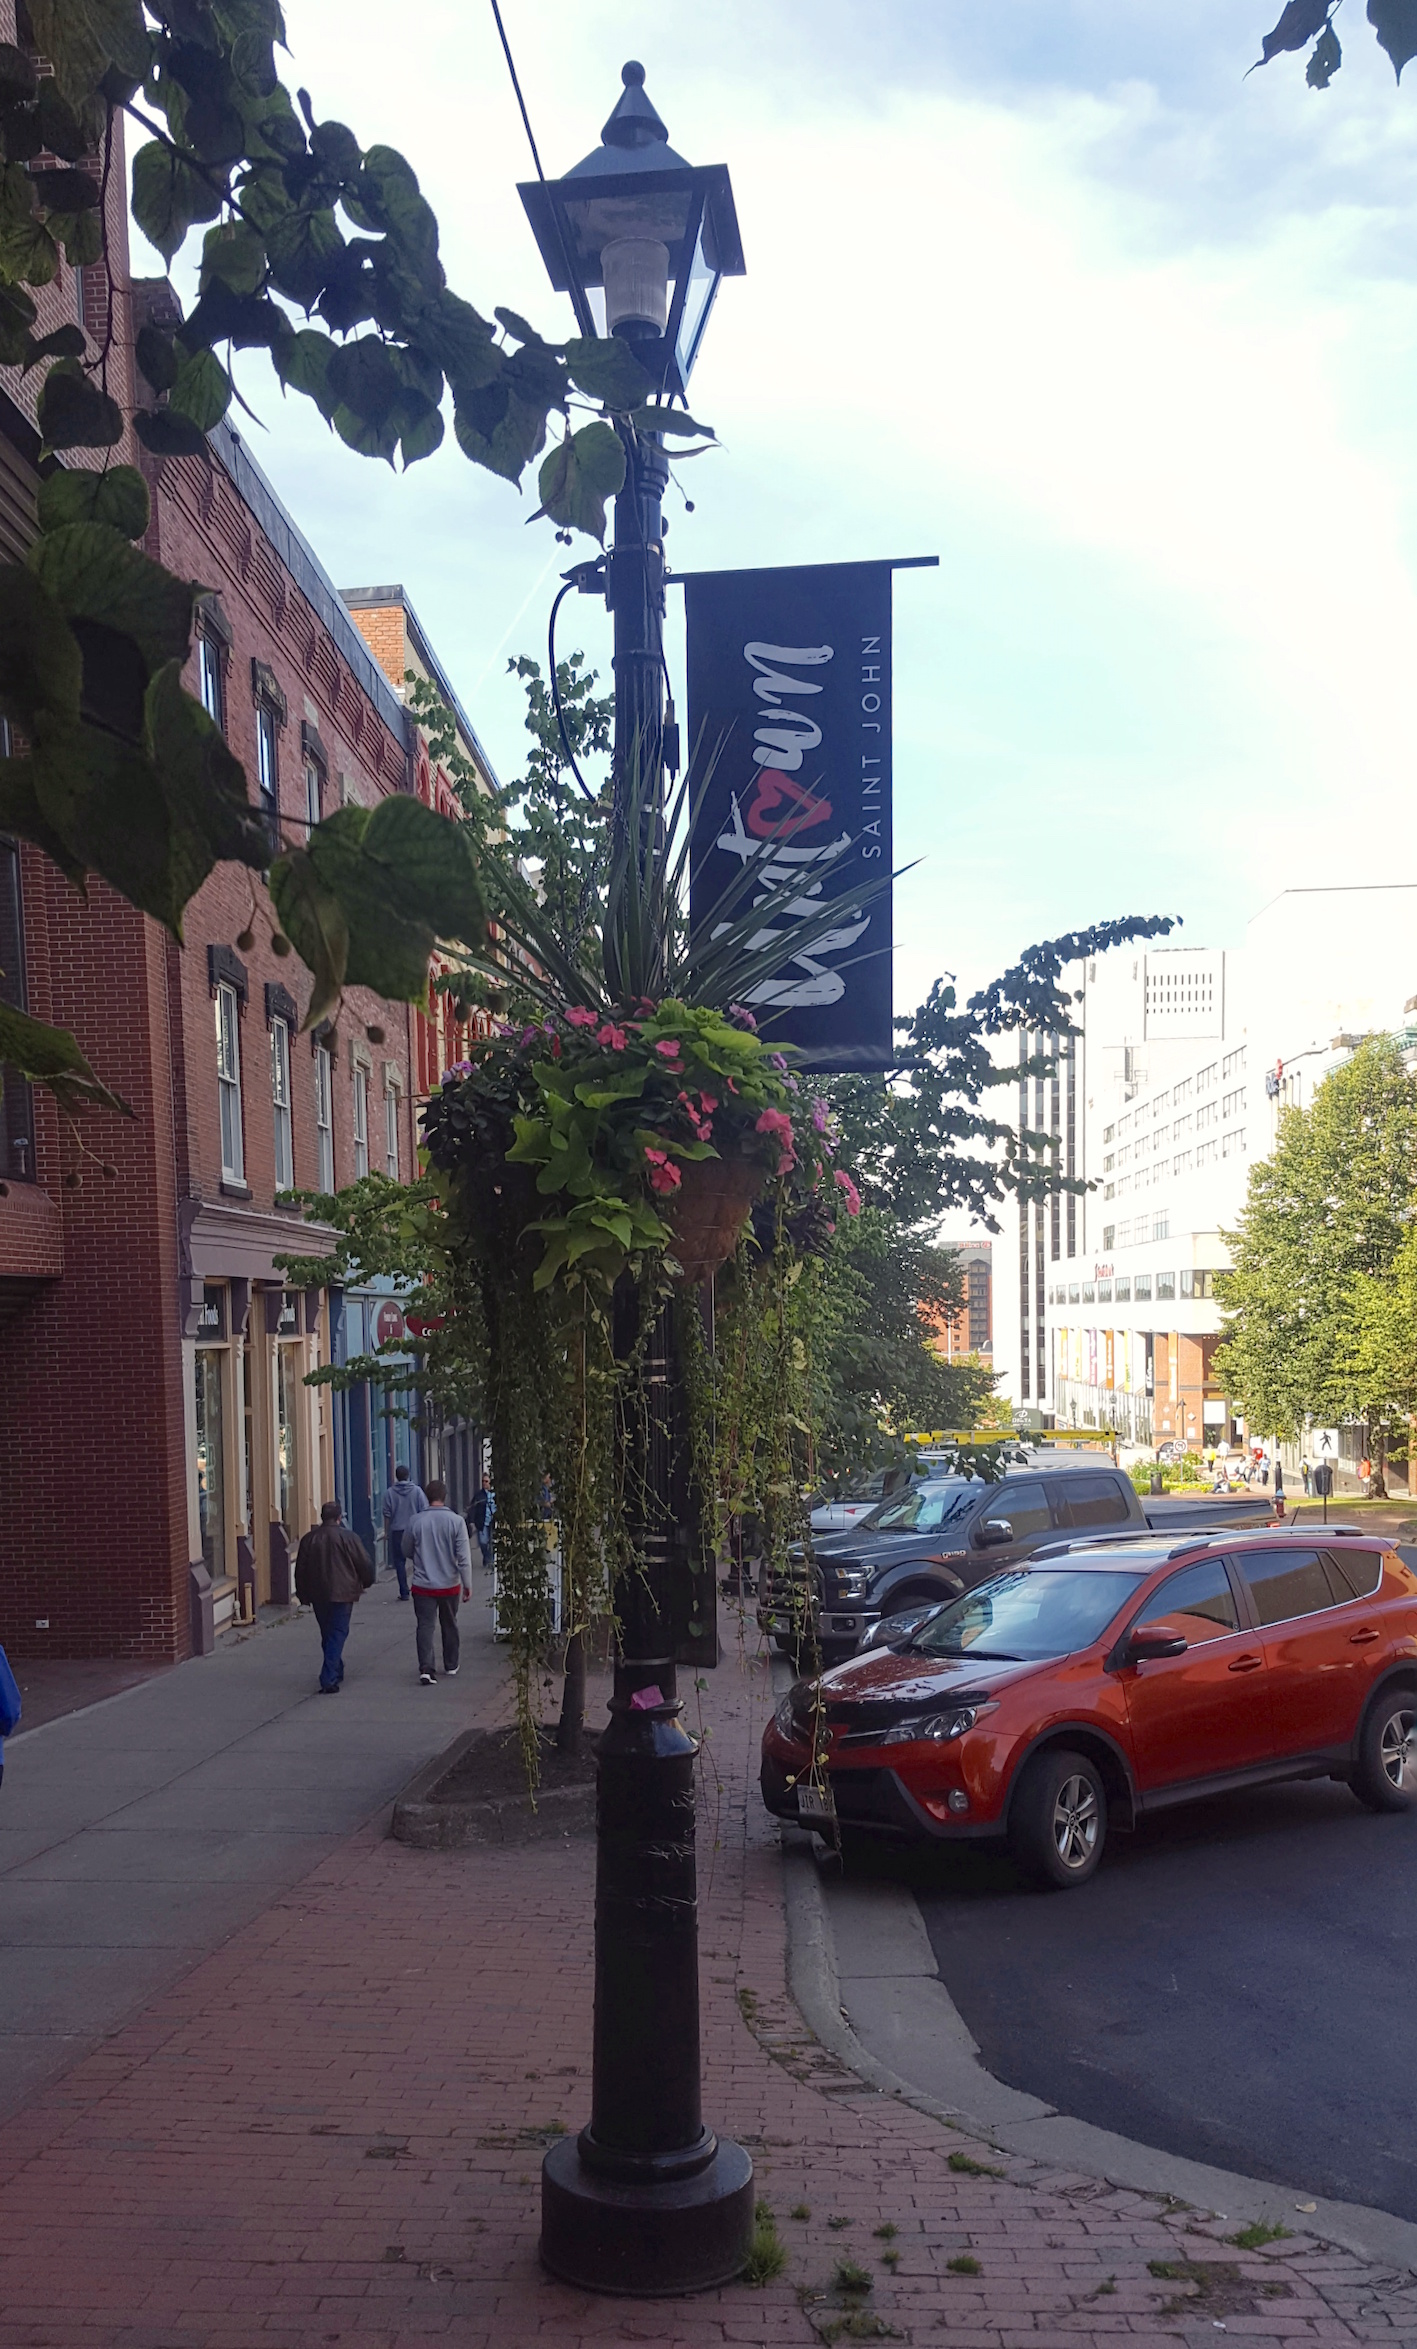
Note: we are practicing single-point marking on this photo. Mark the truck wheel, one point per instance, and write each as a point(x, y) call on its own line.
point(1386, 1774)
point(1059, 1821)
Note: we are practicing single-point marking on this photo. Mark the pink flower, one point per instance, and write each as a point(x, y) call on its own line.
point(848, 1191)
point(611, 1037)
point(580, 1018)
point(526, 1035)
point(777, 1123)
point(668, 1048)
point(663, 1174)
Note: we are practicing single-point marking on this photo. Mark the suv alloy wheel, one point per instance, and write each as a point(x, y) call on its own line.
point(1386, 1776)
point(1059, 1823)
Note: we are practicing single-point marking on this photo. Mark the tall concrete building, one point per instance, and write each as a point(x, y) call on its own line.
point(1105, 1310)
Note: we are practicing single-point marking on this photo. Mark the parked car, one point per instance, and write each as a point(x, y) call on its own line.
point(861, 1501)
point(949, 1532)
point(1099, 1682)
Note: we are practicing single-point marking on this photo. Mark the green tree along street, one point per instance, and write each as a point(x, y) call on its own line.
point(1318, 1307)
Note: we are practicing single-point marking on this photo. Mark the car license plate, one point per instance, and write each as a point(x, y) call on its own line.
point(813, 1807)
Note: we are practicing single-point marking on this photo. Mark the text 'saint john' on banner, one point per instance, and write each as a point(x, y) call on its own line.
point(790, 727)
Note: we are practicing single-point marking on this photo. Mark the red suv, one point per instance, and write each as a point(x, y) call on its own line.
point(1101, 1681)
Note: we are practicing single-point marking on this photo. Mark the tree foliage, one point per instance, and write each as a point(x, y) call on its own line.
point(1309, 1316)
point(1304, 21)
point(874, 1375)
point(323, 252)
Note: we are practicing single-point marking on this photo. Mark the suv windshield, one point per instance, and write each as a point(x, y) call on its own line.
point(932, 1506)
point(1028, 1616)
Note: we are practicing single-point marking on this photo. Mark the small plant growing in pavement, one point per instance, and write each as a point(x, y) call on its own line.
point(890, 2259)
point(1258, 2233)
point(768, 2255)
point(800, 2210)
point(887, 2233)
point(968, 2167)
point(964, 2264)
point(850, 2276)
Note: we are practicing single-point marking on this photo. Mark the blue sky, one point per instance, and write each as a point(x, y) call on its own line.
point(1044, 287)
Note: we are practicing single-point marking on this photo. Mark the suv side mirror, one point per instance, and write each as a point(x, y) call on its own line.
point(1158, 1639)
point(994, 1533)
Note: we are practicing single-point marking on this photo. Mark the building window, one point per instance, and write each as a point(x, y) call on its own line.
point(1232, 1061)
point(312, 794)
point(1089, 1293)
point(391, 1132)
point(1165, 1287)
point(280, 1104)
point(324, 1119)
point(1109, 1235)
point(1124, 1289)
point(1104, 1292)
point(268, 770)
point(1161, 1224)
point(1234, 1103)
point(1197, 1284)
point(228, 1072)
point(1141, 1288)
point(1234, 1143)
point(209, 678)
point(361, 1123)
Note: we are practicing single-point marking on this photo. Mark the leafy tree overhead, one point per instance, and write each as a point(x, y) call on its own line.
point(1326, 1220)
point(322, 252)
point(1304, 21)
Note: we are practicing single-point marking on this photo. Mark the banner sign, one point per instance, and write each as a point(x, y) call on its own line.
point(790, 722)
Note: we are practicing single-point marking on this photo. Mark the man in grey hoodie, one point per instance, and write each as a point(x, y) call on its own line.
point(440, 1571)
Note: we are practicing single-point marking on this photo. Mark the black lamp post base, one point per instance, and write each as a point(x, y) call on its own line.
point(647, 2241)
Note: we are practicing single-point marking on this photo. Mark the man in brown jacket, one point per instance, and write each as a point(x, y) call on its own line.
point(332, 1569)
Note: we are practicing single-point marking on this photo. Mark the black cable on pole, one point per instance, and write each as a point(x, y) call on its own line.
point(555, 688)
point(516, 85)
point(579, 303)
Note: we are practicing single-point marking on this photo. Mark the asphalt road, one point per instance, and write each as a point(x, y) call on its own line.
point(1237, 1984)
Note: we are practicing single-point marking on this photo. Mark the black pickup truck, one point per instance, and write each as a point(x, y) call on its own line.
point(949, 1532)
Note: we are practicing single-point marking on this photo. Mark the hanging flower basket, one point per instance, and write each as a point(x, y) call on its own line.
point(713, 1202)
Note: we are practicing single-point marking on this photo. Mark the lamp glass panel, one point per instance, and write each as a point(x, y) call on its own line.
point(596, 220)
point(698, 296)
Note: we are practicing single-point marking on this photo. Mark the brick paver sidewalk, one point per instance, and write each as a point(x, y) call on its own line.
point(330, 2133)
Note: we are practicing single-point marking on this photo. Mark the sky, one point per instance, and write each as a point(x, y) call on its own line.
point(1047, 288)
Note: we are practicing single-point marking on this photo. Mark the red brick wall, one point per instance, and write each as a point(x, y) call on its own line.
point(93, 1529)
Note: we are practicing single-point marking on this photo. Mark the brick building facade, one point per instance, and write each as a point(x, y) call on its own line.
point(159, 1450)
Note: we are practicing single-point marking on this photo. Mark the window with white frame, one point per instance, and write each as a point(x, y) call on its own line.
point(280, 1106)
point(312, 794)
point(391, 1132)
point(324, 1118)
point(209, 677)
point(361, 1122)
point(228, 1073)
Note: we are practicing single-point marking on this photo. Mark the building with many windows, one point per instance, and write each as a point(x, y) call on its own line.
point(1106, 1314)
point(160, 1450)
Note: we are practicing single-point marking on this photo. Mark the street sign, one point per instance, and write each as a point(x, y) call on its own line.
point(790, 773)
point(1322, 1443)
point(389, 1327)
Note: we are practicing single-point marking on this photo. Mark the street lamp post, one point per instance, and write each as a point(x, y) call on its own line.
point(646, 2199)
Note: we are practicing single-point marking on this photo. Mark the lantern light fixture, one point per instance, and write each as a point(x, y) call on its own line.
point(639, 238)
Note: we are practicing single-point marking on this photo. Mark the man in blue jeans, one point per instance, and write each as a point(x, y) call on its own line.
point(403, 1501)
point(9, 1705)
point(332, 1570)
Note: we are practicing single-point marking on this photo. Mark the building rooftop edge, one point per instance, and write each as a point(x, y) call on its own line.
point(364, 599)
point(304, 565)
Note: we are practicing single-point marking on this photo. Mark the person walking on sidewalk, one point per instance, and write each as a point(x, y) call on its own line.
point(440, 1569)
point(9, 1706)
point(403, 1501)
point(481, 1510)
point(332, 1570)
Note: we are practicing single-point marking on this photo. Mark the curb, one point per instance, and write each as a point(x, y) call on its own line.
point(1006, 2118)
point(420, 1819)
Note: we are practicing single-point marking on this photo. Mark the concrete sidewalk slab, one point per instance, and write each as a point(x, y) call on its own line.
point(348, 2151)
point(139, 1833)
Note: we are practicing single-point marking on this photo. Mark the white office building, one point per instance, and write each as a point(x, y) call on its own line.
point(1104, 1310)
